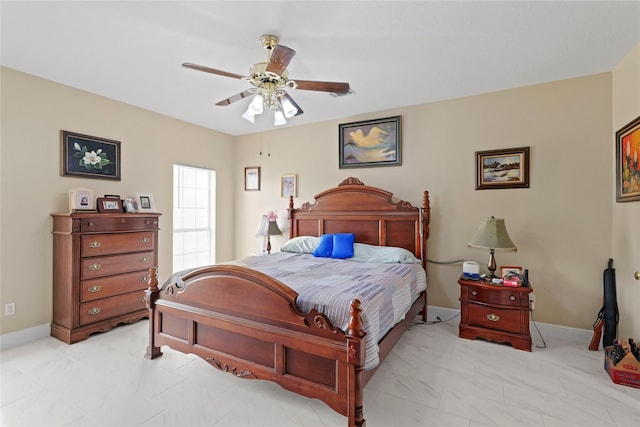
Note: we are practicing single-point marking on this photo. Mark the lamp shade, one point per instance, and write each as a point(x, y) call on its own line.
point(492, 234)
point(268, 228)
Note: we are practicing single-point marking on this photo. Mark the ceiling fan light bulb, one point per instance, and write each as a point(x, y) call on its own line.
point(257, 105)
point(279, 119)
point(289, 109)
point(249, 115)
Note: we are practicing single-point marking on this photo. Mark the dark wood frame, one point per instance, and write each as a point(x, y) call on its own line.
point(391, 125)
point(626, 164)
point(247, 323)
point(246, 170)
point(100, 204)
point(71, 153)
point(523, 166)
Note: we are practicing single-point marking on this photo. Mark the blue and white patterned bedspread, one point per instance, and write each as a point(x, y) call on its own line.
point(386, 291)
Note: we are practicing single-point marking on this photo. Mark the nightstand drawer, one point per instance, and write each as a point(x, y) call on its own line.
point(106, 244)
point(497, 295)
point(501, 319)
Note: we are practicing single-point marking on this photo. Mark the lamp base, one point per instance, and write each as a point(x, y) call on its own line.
point(491, 265)
point(269, 245)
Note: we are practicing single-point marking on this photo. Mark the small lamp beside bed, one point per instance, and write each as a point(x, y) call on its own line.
point(268, 227)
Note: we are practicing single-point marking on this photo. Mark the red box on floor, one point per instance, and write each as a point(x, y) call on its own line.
point(627, 371)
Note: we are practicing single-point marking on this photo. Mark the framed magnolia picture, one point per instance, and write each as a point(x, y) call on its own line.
point(506, 168)
point(87, 156)
point(627, 157)
point(289, 185)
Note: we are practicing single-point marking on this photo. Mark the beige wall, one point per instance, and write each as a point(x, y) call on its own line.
point(561, 225)
point(626, 216)
point(33, 113)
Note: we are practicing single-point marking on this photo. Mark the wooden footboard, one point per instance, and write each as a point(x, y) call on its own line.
point(247, 323)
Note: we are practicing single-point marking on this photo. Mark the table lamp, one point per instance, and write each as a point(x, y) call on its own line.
point(492, 234)
point(268, 227)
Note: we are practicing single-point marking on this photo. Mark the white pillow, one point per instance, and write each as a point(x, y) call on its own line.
point(370, 253)
point(301, 244)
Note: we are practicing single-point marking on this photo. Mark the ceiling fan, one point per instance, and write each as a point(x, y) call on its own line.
point(270, 79)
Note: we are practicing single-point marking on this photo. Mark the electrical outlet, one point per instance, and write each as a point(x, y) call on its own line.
point(10, 309)
point(532, 301)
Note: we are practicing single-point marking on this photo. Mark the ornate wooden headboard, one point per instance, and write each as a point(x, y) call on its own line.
point(368, 212)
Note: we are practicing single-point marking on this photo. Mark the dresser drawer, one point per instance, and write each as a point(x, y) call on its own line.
point(502, 319)
point(115, 264)
point(106, 308)
point(497, 295)
point(118, 223)
point(103, 287)
point(106, 244)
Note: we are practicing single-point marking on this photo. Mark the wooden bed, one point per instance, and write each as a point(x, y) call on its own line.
point(244, 322)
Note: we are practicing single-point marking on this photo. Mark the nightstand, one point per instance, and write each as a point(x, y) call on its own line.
point(495, 313)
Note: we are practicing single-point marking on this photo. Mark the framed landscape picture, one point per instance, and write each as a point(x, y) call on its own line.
point(252, 178)
point(506, 168)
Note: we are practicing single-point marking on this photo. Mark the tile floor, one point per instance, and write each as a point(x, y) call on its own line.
point(432, 378)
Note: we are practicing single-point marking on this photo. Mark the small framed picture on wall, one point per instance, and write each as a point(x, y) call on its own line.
point(289, 185)
point(252, 178)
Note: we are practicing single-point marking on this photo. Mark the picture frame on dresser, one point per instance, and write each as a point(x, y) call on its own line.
point(145, 202)
point(130, 204)
point(81, 199)
point(109, 204)
point(627, 162)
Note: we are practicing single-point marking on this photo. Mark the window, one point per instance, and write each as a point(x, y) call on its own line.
point(193, 217)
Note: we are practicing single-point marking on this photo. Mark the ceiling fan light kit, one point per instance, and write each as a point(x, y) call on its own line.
point(270, 79)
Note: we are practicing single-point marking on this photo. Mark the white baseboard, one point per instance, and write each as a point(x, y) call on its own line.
point(24, 336)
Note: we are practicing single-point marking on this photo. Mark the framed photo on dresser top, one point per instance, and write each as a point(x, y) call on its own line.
point(109, 204)
point(145, 202)
point(81, 199)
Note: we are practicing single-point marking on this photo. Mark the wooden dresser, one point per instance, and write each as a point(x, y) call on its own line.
point(101, 264)
point(495, 313)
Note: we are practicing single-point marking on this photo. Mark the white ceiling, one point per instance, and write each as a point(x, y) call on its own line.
point(393, 53)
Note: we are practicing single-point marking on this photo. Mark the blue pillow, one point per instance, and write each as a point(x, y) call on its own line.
point(325, 247)
point(343, 245)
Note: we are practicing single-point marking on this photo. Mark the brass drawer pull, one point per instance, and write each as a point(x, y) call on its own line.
point(95, 267)
point(147, 222)
point(145, 259)
point(95, 244)
point(94, 311)
point(493, 317)
point(144, 279)
point(145, 240)
point(90, 224)
point(94, 289)
point(474, 293)
point(122, 220)
point(512, 297)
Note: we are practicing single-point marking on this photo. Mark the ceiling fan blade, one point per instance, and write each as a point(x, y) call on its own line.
point(335, 87)
point(286, 95)
point(235, 98)
point(211, 70)
point(280, 58)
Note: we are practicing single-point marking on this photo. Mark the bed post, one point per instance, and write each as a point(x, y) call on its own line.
point(291, 232)
point(426, 218)
point(151, 296)
point(355, 357)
